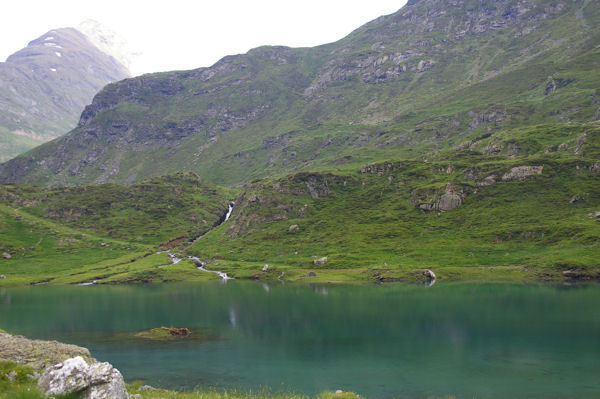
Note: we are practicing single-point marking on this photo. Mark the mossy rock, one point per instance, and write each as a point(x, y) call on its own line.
point(173, 334)
point(38, 354)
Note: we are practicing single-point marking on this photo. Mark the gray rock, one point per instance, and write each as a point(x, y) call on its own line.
point(311, 274)
point(66, 377)
point(12, 375)
point(488, 181)
point(446, 202)
point(429, 274)
point(105, 382)
point(575, 199)
point(38, 354)
point(320, 261)
point(522, 172)
point(449, 200)
point(6, 255)
point(2, 276)
point(293, 227)
point(98, 381)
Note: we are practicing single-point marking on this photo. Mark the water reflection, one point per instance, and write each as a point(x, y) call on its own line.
point(485, 341)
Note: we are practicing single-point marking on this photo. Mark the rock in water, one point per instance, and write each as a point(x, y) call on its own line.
point(429, 274)
point(98, 381)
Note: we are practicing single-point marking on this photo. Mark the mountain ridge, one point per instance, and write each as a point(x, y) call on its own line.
point(427, 77)
point(47, 84)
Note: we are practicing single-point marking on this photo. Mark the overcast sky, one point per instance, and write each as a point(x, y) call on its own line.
point(179, 34)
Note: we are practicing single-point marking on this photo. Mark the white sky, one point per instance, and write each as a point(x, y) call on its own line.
point(180, 34)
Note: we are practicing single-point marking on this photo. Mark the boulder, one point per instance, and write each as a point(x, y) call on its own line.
point(320, 261)
point(446, 202)
point(449, 200)
point(311, 274)
point(522, 172)
point(293, 227)
point(66, 377)
point(6, 255)
point(2, 276)
point(487, 181)
point(96, 381)
point(429, 274)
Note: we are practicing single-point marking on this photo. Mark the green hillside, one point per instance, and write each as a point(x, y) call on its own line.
point(74, 235)
point(428, 77)
point(462, 137)
point(464, 214)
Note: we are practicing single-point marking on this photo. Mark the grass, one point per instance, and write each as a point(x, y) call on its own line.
point(22, 386)
point(368, 223)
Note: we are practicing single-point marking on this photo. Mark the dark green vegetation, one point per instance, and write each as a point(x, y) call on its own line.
point(112, 231)
point(460, 136)
point(45, 86)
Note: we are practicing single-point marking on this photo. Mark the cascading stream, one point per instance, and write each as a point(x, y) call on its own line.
point(200, 264)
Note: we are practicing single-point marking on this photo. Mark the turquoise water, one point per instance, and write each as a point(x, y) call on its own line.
point(402, 341)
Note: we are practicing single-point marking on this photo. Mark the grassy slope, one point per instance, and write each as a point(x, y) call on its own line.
point(369, 222)
point(108, 232)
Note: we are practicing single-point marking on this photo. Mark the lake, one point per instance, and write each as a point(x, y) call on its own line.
point(397, 340)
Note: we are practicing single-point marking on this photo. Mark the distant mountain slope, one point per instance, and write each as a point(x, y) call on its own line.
point(45, 86)
point(434, 75)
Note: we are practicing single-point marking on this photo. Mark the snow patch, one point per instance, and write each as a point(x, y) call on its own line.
point(49, 38)
point(108, 41)
point(53, 69)
point(58, 54)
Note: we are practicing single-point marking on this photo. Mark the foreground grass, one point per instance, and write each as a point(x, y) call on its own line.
point(21, 385)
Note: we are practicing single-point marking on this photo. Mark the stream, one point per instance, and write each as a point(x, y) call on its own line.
point(200, 264)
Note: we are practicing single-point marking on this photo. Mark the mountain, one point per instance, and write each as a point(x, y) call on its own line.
point(108, 41)
point(45, 86)
point(433, 75)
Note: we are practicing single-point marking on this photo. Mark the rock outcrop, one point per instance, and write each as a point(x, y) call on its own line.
point(522, 172)
point(95, 381)
point(38, 354)
point(320, 261)
point(451, 199)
